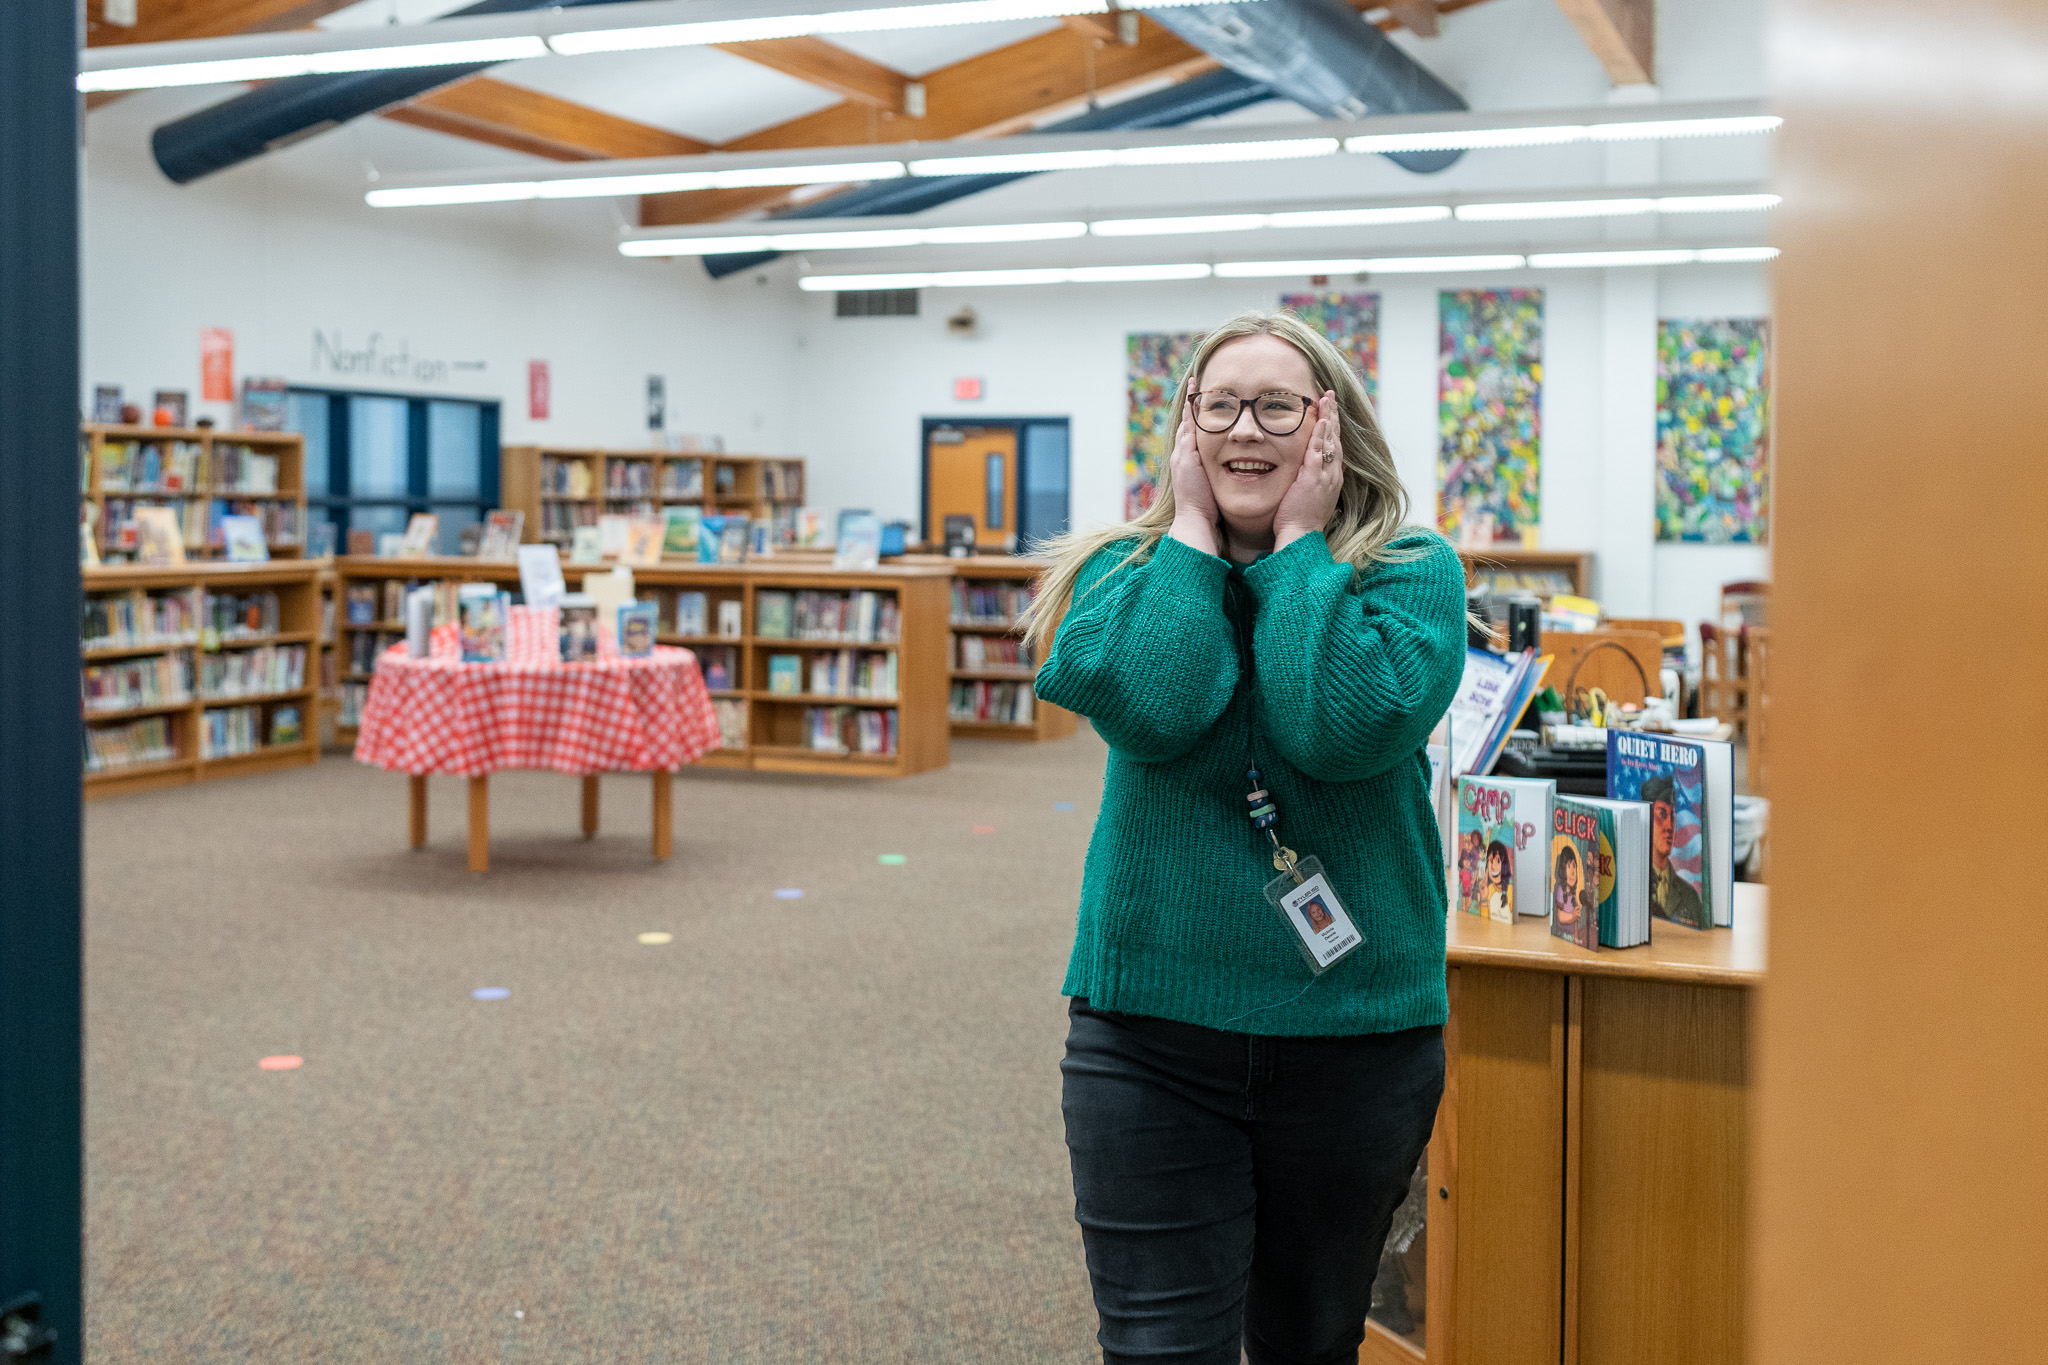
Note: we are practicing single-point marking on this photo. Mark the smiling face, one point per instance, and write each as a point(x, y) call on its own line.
point(1250, 470)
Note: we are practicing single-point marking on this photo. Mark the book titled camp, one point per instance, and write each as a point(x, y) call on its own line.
point(1502, 846)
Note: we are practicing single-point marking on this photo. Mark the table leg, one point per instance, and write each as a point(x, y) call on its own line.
point(479, 824)
point(417, 829)
point(590, 806)
point(664, 815)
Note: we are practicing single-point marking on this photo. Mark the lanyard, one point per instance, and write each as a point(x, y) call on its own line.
point(1264, 810)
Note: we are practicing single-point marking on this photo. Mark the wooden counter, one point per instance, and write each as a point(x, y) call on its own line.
point(1588, 1171)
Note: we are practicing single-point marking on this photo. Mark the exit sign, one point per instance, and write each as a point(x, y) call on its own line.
point(967, 388)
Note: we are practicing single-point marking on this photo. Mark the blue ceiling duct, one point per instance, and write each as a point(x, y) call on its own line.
point(283, 112)
point(1318, 53)
point(1204, 96)
point(1324, 57)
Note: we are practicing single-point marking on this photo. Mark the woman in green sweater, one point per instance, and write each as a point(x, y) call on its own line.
point(1256, 1045)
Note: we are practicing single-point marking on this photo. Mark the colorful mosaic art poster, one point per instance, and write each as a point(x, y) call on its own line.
point(1714, 431)
point(1156, 359)
point(1352, 323)
point(1489, 427)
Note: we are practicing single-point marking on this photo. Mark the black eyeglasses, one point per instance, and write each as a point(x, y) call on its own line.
point(1278, 412)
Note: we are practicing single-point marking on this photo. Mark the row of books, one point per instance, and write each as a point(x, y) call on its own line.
point(125, 620)
point(992, 651)
point(148, 740)
point(990, 604)
point(157, 680)
point(364, 601)
point(353, 697)
point(559, 520)
point(234, 730)
point(782, 480)
point(252, 672)
point(364, 646)
point(862, 617)
point(1659, 845)
point(720, 665)
point(844, 673)
point(850, 730)
point(629, 478)
point(565, 478)
point(238, 469)
point(689, 613)
point(239, 617)
point(994, 703)
point(152, 467)
point(1535, 582)
point(682, 479)
point(732, 722)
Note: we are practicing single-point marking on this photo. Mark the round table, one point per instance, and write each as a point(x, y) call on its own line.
point(440, 716)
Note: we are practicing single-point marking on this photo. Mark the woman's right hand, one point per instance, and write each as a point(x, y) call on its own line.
point(1194, 501)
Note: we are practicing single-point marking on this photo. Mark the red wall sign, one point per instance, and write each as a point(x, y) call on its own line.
point(537, 390)
point(216, 365)
point(967, 388)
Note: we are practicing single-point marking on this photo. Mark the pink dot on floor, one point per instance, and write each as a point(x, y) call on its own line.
point(281, 1063)
point(984, 829)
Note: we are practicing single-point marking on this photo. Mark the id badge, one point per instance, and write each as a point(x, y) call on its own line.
point(1322, 927)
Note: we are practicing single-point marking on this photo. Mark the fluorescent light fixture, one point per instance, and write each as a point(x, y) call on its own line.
point(848, 239)
point(1717, 203)
point(1555, 134)
point(1554, 208)
point(1574, 260)
point(842, 21)
point(1736, 255)
point(650, 182)
point(845, 172)
point(1119, 274)
point(1186, 154)
point(964, 279)
point(1162, 227)
point(1378, 265)
point(278, 67)
point(1004, 232)
point(1315, 218)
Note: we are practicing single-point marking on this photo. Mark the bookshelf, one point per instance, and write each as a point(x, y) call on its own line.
point(1544, 573)
point(561, 487)
point(189, 672)
point(771, 728)
point(201, 473)
point(987, 593)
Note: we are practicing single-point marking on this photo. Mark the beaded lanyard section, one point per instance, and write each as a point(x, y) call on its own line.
point(1265, 817)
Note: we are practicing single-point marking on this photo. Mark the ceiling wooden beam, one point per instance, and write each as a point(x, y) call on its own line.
point(986, 96)
point(163, 21)
point(1417, 16)
point(829, 67)
point(1622, 34)
point(523, 120)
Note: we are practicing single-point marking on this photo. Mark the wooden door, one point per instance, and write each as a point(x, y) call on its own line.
point(972, 471)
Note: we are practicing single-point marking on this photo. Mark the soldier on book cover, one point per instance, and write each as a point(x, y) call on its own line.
point(1672, 895)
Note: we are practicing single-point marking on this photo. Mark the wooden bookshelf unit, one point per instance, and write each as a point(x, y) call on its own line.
point(560, 487)
point(125, 604)
point(198, 472)
point(985, 630)
point(774, 725)
point(1543, 573)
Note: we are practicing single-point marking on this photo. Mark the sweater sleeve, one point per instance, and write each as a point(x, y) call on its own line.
point(1353, 675)
point(1145, 652)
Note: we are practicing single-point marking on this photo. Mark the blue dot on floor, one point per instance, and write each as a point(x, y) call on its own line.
point(1062, 805)
point(789, 893)
point(490, 992)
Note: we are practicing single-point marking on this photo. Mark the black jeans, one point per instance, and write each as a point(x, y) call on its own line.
point(1235, 1188)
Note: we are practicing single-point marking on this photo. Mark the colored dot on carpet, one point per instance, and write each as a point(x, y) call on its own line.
point(789, 893)
point(891, 859)
point(281, 1063)
point(490, 992)
point(984, 829)
point(1062, 805)
point(655, 938)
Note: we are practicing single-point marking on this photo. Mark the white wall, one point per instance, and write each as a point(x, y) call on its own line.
point(284, 247)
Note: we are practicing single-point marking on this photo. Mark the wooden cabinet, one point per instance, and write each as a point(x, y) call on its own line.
point(1587, 1176)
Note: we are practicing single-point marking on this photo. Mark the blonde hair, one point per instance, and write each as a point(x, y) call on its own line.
point(1371, 506)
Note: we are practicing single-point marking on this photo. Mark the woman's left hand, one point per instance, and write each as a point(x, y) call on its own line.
point(1311, 500)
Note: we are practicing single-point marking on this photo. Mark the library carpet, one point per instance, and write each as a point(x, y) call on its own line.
point(823, 1129)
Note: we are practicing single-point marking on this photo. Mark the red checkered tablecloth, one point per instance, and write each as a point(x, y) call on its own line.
point(531, 710)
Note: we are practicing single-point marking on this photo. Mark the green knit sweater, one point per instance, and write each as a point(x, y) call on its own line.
point(1353, 670)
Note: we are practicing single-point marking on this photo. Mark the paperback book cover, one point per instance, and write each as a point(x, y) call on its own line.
point(611, 533)
point(586, 545)
point(732, 540)
point(419, 534)
point(1575, 872)
point(785, 674)
point(709, 534)
point(1669, 775)
point(679, 537)
point(1501, 846)
point(502, 529)
point(481, 611)
point(771, 614)
point(576, 628)
point(690, 618)
point(636, 629)
point(242, 540)
point(643, 542)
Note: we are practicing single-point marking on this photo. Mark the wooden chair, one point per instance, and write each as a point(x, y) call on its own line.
point(1724, 684)
point(1759, 688)
point(1746, 602)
